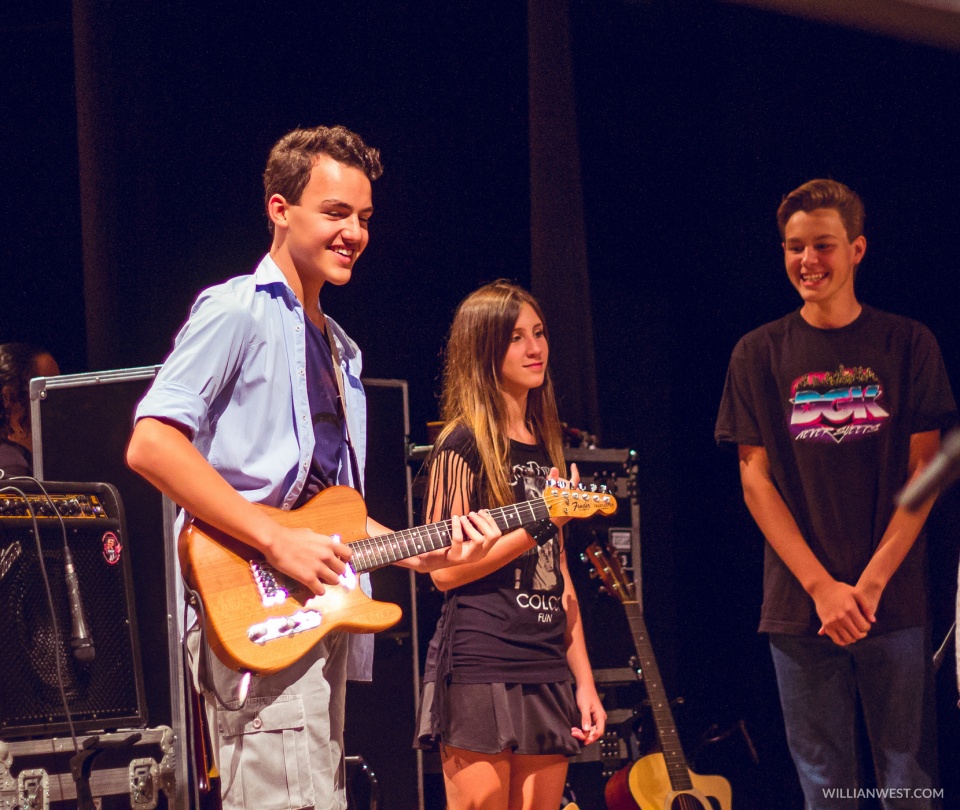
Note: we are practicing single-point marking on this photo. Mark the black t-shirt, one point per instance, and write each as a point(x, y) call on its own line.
point(509, 626)
point(15, 459)
point(835, 410)
point(330, 438)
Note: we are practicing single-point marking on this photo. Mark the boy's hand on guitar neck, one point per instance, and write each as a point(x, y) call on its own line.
point(472, 536)
point(309, 557)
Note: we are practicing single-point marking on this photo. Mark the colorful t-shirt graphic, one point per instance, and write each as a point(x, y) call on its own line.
point(836, 406)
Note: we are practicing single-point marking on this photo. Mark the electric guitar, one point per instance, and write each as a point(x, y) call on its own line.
point(259, 620)
point(661, 781)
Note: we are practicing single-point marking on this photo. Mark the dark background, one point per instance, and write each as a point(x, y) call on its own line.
point(694, 119)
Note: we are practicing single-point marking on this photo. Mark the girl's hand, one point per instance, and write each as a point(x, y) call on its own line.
point(593, 718)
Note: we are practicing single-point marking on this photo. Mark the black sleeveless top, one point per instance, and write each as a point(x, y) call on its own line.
point(509, 626)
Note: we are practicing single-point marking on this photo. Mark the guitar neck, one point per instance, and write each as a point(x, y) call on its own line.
point(374, 552)
point(663, 718)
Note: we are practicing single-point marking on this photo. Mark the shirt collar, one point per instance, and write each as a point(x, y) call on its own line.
point(268, 272)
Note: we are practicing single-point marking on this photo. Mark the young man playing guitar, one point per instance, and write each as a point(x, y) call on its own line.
point(260, 402)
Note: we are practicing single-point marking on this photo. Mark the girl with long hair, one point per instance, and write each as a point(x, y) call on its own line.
point(508, 689)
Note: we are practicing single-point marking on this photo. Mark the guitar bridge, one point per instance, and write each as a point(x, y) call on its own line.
point(284, 626)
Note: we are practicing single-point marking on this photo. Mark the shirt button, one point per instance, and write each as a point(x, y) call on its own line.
point(300, 371)
point(257, 723)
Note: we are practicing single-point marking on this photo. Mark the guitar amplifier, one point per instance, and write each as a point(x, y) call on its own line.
point(46, 681)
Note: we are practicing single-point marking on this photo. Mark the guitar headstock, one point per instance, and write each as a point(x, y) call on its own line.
point(610, 571)
point(564, 500)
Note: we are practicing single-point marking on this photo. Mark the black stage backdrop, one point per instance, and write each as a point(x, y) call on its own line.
point(694, 119)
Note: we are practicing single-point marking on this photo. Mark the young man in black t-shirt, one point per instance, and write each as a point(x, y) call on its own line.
point(833, 408)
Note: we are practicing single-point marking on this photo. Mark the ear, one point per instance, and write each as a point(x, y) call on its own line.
point(277, 210)
point(859, 248)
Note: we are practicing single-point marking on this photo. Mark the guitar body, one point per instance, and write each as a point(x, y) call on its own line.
point(645, 785)
point(221, 570)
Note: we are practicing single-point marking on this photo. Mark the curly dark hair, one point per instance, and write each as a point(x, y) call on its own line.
point(17, 363)
point(293, 157)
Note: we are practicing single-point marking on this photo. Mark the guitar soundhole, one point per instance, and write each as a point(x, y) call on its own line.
point(686, 801)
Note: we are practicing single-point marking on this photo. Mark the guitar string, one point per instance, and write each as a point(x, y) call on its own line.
point(373, 552)
point(673, 755)
point(674, 758)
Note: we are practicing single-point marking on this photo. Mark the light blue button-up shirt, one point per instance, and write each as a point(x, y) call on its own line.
point(236, 379)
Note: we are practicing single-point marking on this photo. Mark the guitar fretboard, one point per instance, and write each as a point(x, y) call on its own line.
point(375, 552)
point(659, 704)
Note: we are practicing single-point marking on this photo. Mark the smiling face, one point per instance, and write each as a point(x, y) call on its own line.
point(321, 235)
point(525, 362)
point(821, 263)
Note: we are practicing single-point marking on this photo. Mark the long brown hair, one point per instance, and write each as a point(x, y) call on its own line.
point(476, 346)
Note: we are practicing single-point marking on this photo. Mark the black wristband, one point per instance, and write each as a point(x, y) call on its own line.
point(543, 531)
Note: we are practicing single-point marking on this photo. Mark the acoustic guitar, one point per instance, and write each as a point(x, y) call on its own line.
point(661, 781)
point(259, 620)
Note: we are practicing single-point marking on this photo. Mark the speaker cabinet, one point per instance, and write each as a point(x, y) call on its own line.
point(42, 675)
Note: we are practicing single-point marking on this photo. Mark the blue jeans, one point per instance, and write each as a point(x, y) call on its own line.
point(819, 683)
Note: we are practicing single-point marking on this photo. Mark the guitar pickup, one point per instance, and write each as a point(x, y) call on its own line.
point(284, 626)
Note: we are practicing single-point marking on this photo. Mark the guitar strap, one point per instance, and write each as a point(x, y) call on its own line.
point(335, 355)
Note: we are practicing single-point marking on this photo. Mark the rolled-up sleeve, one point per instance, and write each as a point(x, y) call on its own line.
point(206, 356)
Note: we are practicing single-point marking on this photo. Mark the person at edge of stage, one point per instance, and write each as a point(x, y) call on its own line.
point(19, 363)
point(833, 408)
point(497, 696)
point(246, 410)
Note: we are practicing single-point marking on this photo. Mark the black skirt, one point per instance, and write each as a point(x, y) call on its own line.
point(526, 718)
